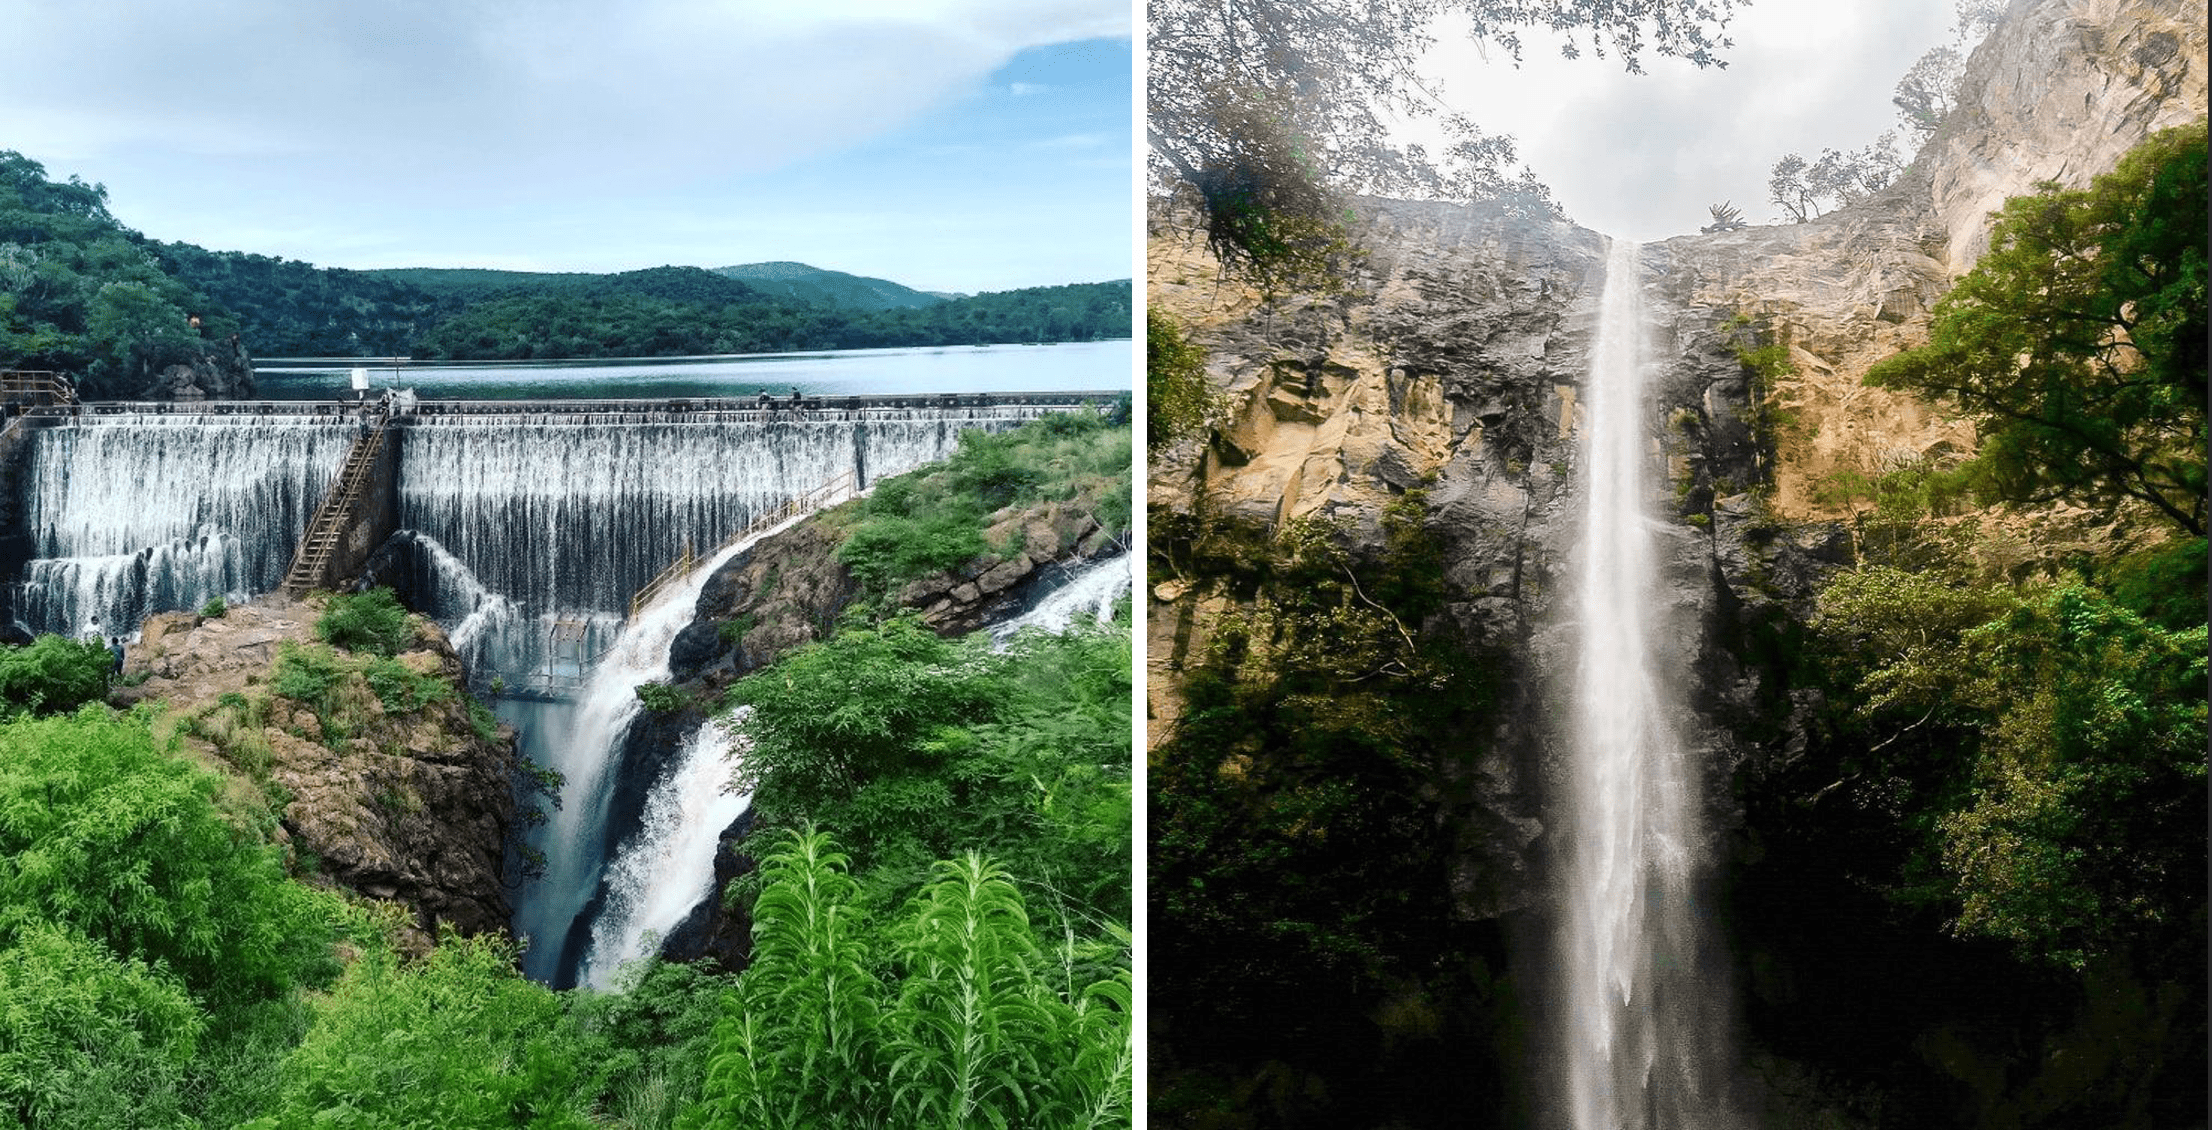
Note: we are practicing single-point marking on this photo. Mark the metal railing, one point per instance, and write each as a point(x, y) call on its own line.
point(36, 387)
point(835, 490)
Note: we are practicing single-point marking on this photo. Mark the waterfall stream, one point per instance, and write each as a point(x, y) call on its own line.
point(1642, 1028)
point(584, 751)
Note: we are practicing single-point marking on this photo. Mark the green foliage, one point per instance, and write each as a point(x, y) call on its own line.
point(932, 520)
point(2061, 795)
point(372, 621)
point(214, 608)
point(2077, 343)
point(457, 1040)
point(662, 697)
point(69, 1010)
point(401, 689)
point(1263, 199)
point(287, 308)
point(483, 721)
point(1296, 880)
point(1805, 189)
point(842, 730)
point(107, 833)
point(682, 311)
point(1177, 402)
point(2164, 585)
point(890, 549)
point(80, 293)
point(305, 675)
point(53, 675)
point(645, 1046)
point(917, 748)
point(967, 1032)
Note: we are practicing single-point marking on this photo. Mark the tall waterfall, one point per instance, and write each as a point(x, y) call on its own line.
point(1643, 1031)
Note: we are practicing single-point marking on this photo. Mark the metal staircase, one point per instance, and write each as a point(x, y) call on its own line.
point(335, 513)
point(835, 490)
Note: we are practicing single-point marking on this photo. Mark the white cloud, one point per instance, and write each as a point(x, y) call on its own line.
point(474, 93)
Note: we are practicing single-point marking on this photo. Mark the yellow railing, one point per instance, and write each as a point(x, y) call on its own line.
point(835, 490)
point(37, 385)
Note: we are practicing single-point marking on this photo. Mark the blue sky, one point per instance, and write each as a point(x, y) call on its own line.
point(946, 144)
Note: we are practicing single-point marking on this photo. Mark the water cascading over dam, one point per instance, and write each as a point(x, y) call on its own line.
point(1644, 1029)
point(512, 524)
point(523, 518)
point(136, 514)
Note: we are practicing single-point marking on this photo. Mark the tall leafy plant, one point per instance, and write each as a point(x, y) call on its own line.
point(943, 1019)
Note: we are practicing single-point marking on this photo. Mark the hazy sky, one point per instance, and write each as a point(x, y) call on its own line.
point(1641, 156)
point(945, 144)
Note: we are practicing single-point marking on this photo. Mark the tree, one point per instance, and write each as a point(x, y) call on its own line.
point(2077, 344)
point(2059, 782)
point(1272, 106)
point(1176, 399)
point(105, 831)
point(1807, 190)
point(1726, 217)
point(1930, 88)
point(53, 675)
point(459, 1039)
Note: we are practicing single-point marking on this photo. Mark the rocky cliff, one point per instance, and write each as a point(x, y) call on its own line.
point(389, 784)
point(1452, 362)
point(218, 371)
point(1435, 400)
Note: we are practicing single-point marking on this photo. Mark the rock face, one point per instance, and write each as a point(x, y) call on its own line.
point(220, 372)
point(789, 590)
point(413, 806)
point(1452, 365)
point(1454, 360)
point(2058, 91)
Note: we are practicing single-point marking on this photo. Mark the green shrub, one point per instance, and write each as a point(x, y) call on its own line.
point(403, 691)
point(659, 697)
point(483, 721)
point(305, 675)
point(371, 621)
point(974, 1029)
point(72, 1012)
point(214, 608)
point(1177, 401)
point(52, 675)
point(458, 1040)
point(111, 834)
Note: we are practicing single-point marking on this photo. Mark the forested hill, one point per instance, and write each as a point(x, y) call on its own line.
point(828, 288)
point(83, 294)
point(290, 308)
point(622, 321)
point(80, 294)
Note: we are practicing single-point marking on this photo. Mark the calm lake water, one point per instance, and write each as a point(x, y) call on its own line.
point(1080, 366)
